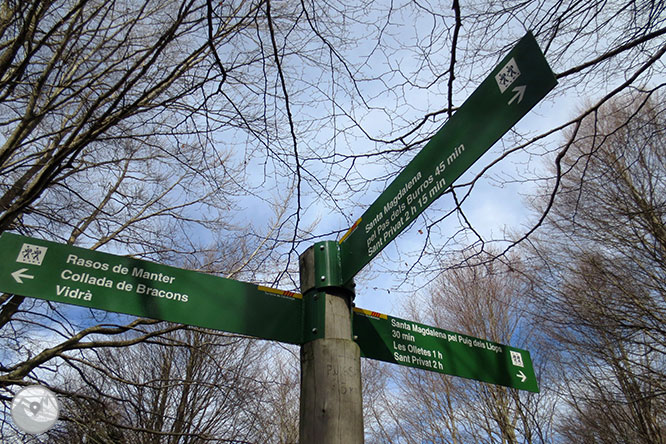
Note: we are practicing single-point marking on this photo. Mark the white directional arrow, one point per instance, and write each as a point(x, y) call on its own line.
point(520, 92)
point(522, 376)
point(19, 276)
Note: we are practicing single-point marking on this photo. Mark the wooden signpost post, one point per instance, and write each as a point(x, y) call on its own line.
point(333, 335)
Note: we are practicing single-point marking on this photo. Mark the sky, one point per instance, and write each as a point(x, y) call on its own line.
point(499, 203)
point(495, 206)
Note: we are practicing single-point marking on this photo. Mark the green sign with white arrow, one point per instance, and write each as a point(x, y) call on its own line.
point(409, 343)
point(518, 83)
point(63, 273)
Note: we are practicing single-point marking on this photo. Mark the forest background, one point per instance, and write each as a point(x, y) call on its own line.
point(227, 137)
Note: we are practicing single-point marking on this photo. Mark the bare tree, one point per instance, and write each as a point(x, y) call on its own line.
point(185, 387)
point(600, 273)
point(108, 128)
point(277, 420)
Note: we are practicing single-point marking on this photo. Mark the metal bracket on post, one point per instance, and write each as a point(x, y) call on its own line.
point(320, 272)
point(320, 268)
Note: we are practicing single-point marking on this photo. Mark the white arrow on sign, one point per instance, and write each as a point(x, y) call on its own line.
point(520, 92)
point(19, 276)
point(522, 376)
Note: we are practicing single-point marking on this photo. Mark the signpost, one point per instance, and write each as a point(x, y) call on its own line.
point(321, 320)
point(63, 273)
point(520, 80)
point(409, 343)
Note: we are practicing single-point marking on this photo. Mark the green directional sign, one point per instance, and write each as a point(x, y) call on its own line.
point(409, 343)
point(518, 83)
point(63, 273)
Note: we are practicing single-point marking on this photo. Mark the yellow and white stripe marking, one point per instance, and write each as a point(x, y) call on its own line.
point(351, 230)
point(369, 313)
point(280, 292)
